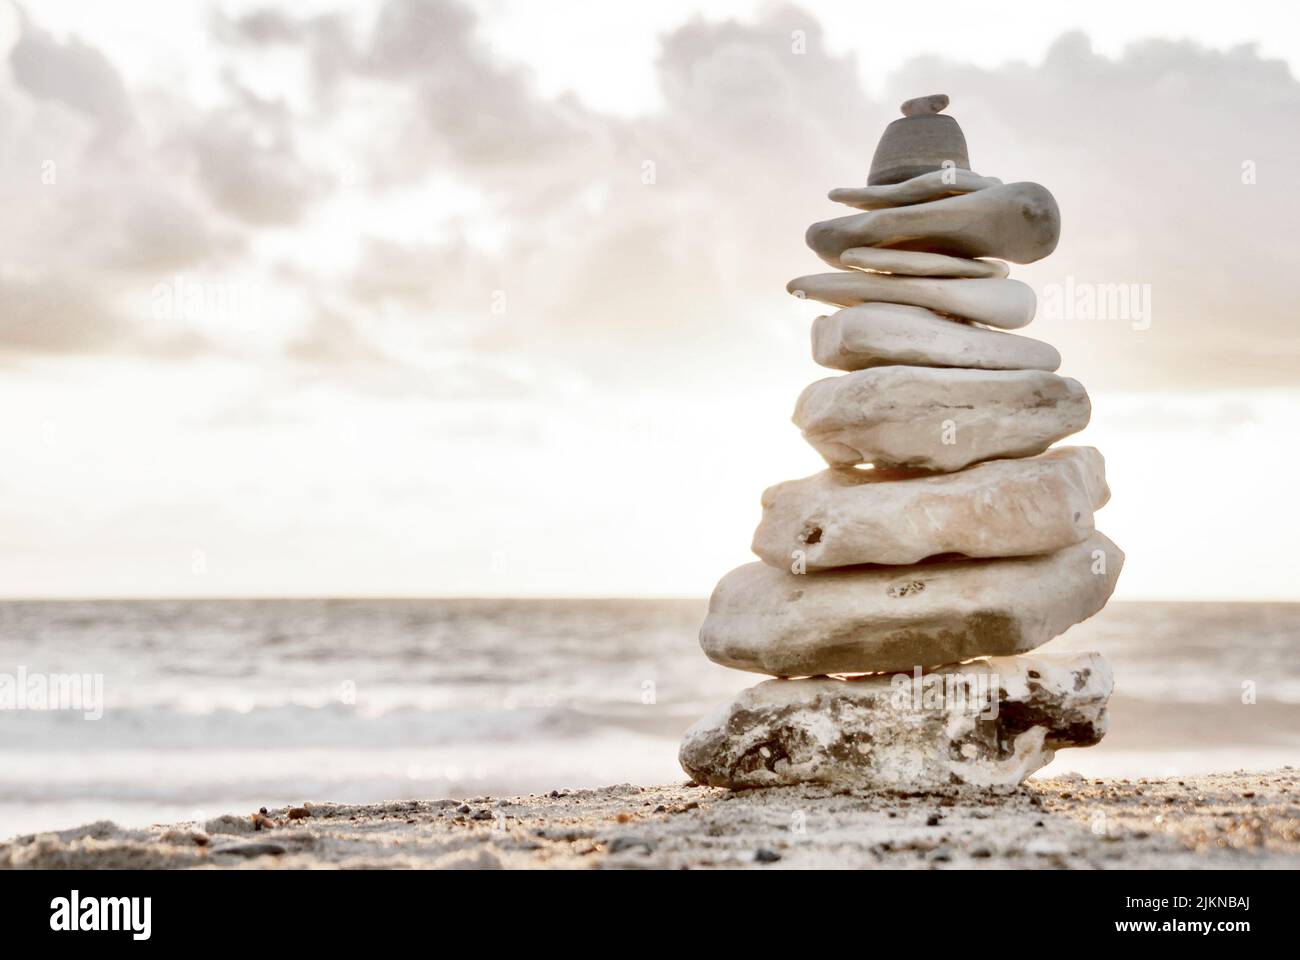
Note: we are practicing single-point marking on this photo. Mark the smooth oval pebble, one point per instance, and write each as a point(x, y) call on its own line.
point(914, 263)
point(933, 185)
point(882, 334)
point(251, 848)
point(921, 106)
point(1019, 222)
point(1008, 304)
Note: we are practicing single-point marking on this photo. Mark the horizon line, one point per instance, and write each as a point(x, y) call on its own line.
point(436, 598)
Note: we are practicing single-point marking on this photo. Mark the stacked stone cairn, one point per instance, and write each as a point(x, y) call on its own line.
point(900, 589)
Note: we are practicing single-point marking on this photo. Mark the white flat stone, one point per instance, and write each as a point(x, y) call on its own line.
point(1019, 222)
point(1008, 304)
point(913, 263)
point(868, 619)
point(932, 418)
point(913, 734)
point(1001, 508)
point(883, 334)
point(934, 185)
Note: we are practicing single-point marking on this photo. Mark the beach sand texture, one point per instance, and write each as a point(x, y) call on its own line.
point(1244, 820)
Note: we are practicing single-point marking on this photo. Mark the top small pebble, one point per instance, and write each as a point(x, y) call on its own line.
point(924, 106)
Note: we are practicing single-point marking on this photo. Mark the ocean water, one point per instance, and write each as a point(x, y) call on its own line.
point(218, 706)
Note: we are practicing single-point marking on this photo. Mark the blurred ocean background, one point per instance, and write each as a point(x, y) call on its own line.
point(219, 706)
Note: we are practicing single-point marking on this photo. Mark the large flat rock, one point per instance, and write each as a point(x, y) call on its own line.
point(1019, 222)
point(1009, 304)
point(988, 724)
point(887, 334)
point(867, 619)
point(938, 418)
point(1001, 508)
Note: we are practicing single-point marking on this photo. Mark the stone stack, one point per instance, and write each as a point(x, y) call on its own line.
point(904, 585)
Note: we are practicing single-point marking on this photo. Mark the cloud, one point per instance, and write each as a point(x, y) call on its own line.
point(72, 74)
point(250, 170)
point(333, 340)
point(521, 231)
point(111, 195)
point(91, 212)
point(1150, 157)
point(625, 249)
point(54, 315)
point(325, 37)
point(493, 307)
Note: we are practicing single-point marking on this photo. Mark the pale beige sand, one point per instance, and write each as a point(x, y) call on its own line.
point(1226, 820)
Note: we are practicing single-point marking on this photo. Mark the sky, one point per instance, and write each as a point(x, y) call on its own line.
point(420, 297)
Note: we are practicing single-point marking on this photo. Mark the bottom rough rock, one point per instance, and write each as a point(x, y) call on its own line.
point(987, 723)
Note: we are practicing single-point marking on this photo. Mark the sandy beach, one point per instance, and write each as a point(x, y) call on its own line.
point(1237, 820)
